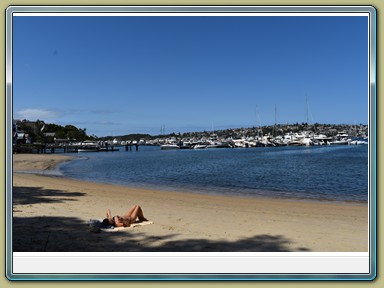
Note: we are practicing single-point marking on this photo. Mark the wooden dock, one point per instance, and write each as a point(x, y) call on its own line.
point(71, 148)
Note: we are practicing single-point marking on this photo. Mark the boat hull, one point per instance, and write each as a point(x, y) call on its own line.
point(169, 147)
point(88, 150)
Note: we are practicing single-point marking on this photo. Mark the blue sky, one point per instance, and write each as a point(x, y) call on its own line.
point(122, 75)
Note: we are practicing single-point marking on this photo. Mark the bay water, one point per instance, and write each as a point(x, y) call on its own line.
point(331, 173)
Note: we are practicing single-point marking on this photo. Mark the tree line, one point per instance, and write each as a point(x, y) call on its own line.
point(42, 132)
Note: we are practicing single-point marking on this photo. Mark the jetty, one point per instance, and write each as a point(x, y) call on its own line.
point(87, 146)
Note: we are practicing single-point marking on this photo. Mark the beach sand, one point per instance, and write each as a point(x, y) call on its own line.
point(52, 213)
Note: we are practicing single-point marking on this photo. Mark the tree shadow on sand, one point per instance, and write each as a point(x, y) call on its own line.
point(70, 234)
point(33, 195)
point(257, 243)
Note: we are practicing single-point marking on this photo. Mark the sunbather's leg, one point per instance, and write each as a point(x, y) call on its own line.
point(129, 213)
point(136, 212)
point(140, 214)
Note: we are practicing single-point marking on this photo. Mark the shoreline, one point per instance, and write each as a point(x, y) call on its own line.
point(183, 221)
point(53, 170)
point(44, 173)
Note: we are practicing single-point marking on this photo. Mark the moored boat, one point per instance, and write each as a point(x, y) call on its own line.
point(169, 147)
point(340, 142)
point(88, 149)
point(200, 146)
point(88, 146)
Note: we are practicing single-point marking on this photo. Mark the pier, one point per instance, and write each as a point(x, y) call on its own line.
point(51, 148)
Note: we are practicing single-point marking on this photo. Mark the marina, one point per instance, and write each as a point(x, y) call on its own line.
point(213, 140)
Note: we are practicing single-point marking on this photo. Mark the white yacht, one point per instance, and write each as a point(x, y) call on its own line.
point(200, 146)
point(169, 147)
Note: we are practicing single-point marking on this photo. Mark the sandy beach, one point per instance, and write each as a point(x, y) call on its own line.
point(52, 213)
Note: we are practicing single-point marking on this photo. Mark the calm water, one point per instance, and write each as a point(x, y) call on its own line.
point(311, 173)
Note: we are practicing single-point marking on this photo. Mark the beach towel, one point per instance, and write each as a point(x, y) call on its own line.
point(96, 226)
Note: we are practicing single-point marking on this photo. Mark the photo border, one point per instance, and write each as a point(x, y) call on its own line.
point(196, 9)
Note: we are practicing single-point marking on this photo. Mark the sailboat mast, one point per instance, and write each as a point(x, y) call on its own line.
point(274, 126)
point(258, 122)
point(306, 107)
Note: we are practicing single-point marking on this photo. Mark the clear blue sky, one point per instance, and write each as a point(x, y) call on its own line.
point(122, 75)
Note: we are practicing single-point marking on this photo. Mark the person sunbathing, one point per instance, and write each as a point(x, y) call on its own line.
point(133, 215)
